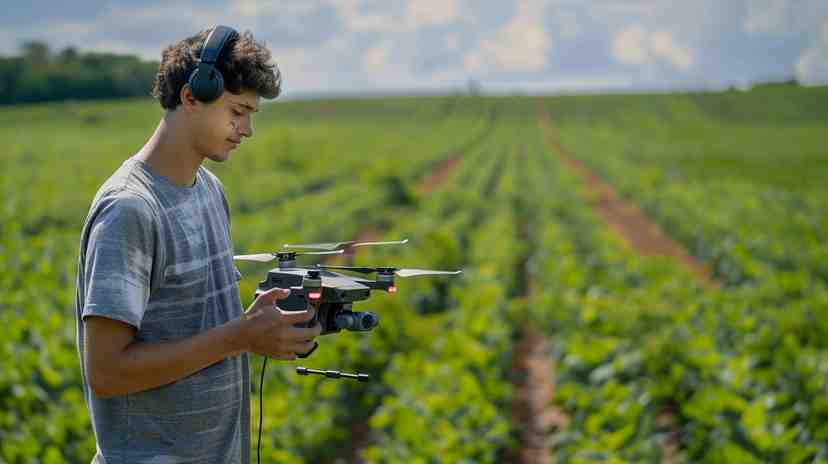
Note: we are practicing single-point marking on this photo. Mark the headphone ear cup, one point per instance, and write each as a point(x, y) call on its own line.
point(208, 87)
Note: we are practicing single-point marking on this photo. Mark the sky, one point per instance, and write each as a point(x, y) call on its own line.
point(506, 46)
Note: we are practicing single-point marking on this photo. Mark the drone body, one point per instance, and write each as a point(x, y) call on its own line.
point(331, 293)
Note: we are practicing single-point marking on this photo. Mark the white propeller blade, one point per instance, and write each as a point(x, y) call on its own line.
point(261, 257)
point(335, 252)
point(419, 272)
point(394, 242)
point(265, 257)
point(335, 245)
point(319, 246)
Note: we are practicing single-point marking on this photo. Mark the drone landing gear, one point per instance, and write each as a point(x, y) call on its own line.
point(333, 374)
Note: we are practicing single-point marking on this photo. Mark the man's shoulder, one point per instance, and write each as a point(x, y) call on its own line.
point(125, 199)
point(125, 181)
point(124, 191)
point(123, 210)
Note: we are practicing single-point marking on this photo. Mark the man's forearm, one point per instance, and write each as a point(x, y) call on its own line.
point(146, 365)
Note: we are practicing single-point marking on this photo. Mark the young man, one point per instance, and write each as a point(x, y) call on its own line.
point(162, 335)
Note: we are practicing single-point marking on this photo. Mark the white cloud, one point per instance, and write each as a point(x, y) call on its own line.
point(767, 16)
point(361, 16)
point(453, 41)
point(568, 26)
point(315, 69)
point(636, 45)
point(473, 61)
point(108, 32)
point(812, 65)
point(187, 17)
point(254, 8)
point(296, 66)
point(629, 8)
point(630, 45)
point(250, 8)
point(427, 12)
point(664, 46)
point(784, 17)
point(375, 59)
point(357, 20)
point(522, 44)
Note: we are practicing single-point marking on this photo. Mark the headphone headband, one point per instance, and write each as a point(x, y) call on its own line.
point(215, 43)
point(206, 81)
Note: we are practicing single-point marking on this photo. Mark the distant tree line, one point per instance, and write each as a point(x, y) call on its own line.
point(40, 75)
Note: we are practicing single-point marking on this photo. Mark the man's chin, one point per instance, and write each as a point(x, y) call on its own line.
point(219, 157)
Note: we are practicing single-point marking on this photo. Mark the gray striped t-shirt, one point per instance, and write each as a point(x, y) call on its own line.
point(158, 256)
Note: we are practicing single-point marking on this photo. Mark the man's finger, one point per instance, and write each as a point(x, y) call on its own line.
point(273, 295)
point(297, 348)
point(295, 317)
point(303, 334)
point(303, 348)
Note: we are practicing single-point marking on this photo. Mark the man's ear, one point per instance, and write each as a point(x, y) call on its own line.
point(188, 100)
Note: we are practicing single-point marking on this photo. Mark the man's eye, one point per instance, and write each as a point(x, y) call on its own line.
point(236, 113)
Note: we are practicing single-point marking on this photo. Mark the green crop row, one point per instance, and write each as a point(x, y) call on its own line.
point(748, 199)
point(448, 397)
point(741, 367)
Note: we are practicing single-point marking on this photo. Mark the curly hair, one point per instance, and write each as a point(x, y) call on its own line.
point(244, 63)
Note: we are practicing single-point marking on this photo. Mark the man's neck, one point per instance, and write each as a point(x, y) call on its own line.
point(170, 152)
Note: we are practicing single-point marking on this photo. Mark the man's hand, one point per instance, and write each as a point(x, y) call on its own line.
point(267, 330)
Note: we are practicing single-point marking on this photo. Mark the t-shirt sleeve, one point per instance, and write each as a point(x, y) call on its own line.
point(120, 250)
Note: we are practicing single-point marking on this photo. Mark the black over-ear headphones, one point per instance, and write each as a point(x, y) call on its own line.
point(206, 81)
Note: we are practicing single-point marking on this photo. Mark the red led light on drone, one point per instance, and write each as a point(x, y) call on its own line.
point(392, 289)
point(315, 295)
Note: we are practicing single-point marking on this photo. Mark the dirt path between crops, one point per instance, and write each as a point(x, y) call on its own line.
point(625, 217)
point(436, 179)
point(533, 413)
point(642, 235)
point(536, 419)
point(444, 169)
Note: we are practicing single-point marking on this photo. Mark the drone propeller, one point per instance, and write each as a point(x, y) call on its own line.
point(363, 270)
point(265, 257)
point(351, 243)
point(388, 270)
point(422, 272)
point(393, 242)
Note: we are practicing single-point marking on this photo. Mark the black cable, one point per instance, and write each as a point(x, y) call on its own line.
point(261, 390)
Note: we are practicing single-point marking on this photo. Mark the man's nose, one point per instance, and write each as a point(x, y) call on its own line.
point(246, 127)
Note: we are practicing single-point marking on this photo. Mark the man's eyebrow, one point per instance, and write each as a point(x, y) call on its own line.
point(247, 106)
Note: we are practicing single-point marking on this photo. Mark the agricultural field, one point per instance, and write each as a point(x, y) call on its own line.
point(644, 275)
